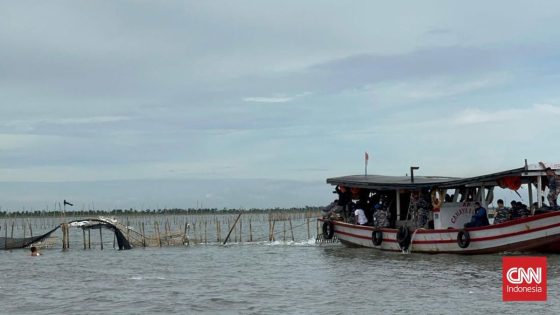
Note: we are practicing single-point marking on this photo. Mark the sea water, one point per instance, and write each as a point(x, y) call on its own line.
point(258, 278)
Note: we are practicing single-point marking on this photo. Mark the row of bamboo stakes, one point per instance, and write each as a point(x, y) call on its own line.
point(196, 229)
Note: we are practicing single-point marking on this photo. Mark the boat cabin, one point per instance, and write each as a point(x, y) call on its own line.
point(447, 202)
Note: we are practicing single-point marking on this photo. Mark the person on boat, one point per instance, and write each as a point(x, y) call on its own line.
point(424, 208)
point(380, 217)
point(34, 251)
point(332, 209)
point(344, 199)
point(479, 218)
point(514, 210)
point(553, 188)
point(522, 210)
point(502, 213)
point(344, 195)
point(364, 204)
point(360, 217)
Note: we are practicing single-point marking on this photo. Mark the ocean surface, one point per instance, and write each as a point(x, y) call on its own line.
point(258, 278)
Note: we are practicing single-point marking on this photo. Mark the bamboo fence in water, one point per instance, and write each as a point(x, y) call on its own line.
point(158, 230)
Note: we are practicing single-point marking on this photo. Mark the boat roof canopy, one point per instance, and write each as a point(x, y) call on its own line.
point(526, 174)
point(380, 182)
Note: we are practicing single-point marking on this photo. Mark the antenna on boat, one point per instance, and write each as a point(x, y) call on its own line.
point(412, 168)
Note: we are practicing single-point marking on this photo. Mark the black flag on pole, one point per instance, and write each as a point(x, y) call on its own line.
point(67, 203)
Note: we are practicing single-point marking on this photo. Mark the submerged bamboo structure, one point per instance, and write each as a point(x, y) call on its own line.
point(154, 230)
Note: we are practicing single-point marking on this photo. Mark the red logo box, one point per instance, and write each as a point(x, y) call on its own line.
point(524, 279)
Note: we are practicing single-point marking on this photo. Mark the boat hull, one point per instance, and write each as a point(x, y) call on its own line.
point(537, 233)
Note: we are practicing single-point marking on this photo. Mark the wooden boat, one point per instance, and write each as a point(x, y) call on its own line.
point(538, 231)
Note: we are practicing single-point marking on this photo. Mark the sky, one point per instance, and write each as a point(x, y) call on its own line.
point(253, 104)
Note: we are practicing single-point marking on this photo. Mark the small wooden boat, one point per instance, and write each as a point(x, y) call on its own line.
point(451, 204)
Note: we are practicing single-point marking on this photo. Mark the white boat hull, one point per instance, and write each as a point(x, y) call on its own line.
point(539, 233)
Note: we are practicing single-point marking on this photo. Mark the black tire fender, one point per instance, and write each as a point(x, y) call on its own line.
point(463, 238)
point(377, 237)
point(328, 230)
point(403, 237)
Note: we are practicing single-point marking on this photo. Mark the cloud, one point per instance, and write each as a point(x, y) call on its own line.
point(433, 88)
point(276, 99)
point(9, 142)
point(268, 99)
point(513, 116)
point(30, 124)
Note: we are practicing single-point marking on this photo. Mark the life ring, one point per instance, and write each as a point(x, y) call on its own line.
point(328, 230)
point(377, 237)
point(437, 200)
point(403, 237)
point(463, 238)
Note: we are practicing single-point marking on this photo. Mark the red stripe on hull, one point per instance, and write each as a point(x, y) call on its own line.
point(550, 243)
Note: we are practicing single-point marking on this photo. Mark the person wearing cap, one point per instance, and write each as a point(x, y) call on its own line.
point(479, 218)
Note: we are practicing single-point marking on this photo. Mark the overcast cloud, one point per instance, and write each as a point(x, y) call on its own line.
point(254, 104)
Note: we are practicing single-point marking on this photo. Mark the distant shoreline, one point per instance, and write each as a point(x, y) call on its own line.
point(135, 212)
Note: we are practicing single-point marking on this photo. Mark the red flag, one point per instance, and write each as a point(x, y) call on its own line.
point(367, 156)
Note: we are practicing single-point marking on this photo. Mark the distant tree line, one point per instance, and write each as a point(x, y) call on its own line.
point(131, 211)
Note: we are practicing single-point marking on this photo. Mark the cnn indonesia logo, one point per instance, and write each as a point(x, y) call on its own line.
point(524, 279)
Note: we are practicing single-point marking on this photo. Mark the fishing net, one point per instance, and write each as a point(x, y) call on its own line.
point(22, 242)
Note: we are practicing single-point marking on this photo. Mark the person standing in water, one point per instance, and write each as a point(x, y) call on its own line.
point(34, 251)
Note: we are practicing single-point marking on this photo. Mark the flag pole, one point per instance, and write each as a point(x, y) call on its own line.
point(366, 158)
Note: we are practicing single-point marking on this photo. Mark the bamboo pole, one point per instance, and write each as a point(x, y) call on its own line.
point(272, 238)
point(240, 231)
point(200, 229)
point(185, 233)
point(158, 235)
point(291, 229)
point(143, 236)
point(205, 234)
point(308, 231)
point(167, 228)
point(64, 236)
point(127, 229)
point(194, 232)
point(84, 235)
point(101, 237)
point(231, 229)
point(250, 231)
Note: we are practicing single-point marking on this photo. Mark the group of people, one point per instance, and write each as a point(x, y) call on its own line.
point(368, 209)
point(480, 218)
point(517, 210)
